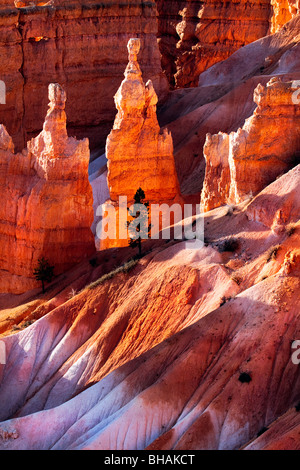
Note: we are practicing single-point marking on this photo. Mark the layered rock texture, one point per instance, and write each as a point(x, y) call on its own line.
point(47, 201)
point(244, 162)
point(224, 99)
point(74, 42)
point(194, 35)
point(191, 345)
point(81, 45)
point(139, 154)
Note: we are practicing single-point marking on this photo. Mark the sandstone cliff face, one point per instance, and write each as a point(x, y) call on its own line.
point(242, 163)
point(282, 12)
point(224, 99)
point(194, 35)
point(47, 201)
point(73, 41)
point(80, 45)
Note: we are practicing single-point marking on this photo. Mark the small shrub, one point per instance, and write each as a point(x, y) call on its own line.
point(16, 328)
point(290, 229)
point(43, 272)
point(93, 262)
point(245, 377)
point(224, 299)
point(230, 244)
point(272, 253)
point(236, 278)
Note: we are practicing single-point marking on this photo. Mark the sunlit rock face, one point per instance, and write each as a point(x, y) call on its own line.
point(194, 35)
point(138, 153)
point(282, 12)
point(241, 164)
point(47, 200)
point(71, 42)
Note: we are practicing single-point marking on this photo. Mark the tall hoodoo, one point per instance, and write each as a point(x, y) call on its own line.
point(47, 207)
point(138, 153)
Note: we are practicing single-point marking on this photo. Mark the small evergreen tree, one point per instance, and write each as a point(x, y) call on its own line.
point(142, 227)
point(43, 272)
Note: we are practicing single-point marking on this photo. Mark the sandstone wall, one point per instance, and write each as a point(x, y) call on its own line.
point(193, 35)
point(81, 45)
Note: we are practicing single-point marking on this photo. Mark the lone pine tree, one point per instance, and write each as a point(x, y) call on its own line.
point(43, 272)
point(139, 227)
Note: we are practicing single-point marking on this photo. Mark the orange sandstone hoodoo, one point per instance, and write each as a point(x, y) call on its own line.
point(47, 204)
point(243, 163)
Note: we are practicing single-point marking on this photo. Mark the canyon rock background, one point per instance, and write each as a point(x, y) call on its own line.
point(189, 346)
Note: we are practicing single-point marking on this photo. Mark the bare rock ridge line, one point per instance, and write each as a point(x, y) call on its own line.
point(138, 153)
point(47, 204)
point(243, 163)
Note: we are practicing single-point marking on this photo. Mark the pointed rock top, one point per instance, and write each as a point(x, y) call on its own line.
point(57, 96)
point(133, 46)
point(133, 70)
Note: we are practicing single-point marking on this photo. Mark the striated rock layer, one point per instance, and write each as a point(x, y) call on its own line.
point(224, 99)
point(80, 45)
point(138, 153)
point(194, 35)
point(47, 201)
point(243, 163)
